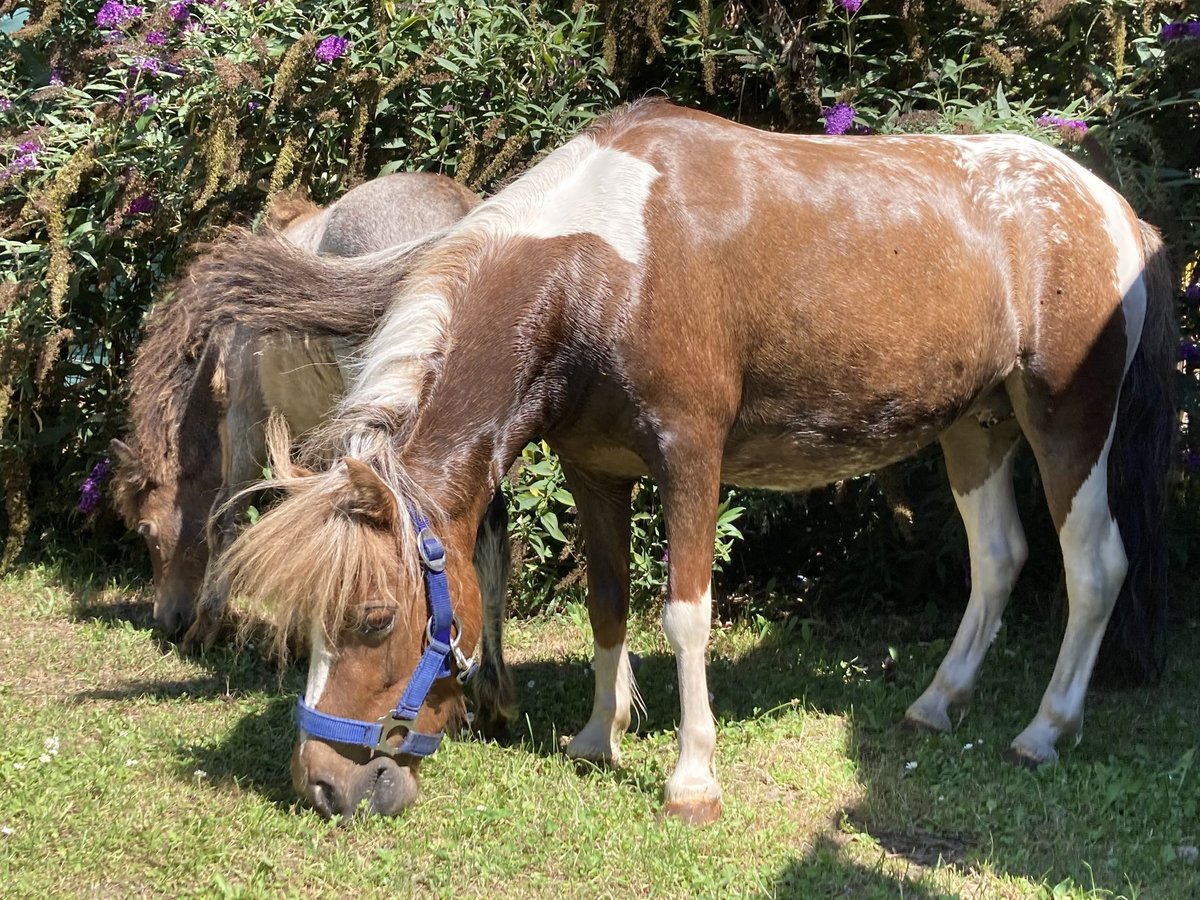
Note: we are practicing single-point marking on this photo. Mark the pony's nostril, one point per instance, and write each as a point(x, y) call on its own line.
point(324, 797)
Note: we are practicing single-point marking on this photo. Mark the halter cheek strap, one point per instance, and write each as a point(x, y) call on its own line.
point(440, 644)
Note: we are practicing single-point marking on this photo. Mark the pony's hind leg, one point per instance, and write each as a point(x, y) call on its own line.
point(979, 461)
point(603, 506)
point(1095, 563)
point(495, 703)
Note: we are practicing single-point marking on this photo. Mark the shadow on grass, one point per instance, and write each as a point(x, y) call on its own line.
point(825, 871)
point(254, 755)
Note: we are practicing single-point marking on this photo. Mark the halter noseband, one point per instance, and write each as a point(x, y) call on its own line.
point(440, 644)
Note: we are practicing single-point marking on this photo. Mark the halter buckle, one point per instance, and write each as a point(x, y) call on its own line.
point(432, 553)
point(388, 726)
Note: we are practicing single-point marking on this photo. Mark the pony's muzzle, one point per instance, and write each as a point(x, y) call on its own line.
point(337, 787)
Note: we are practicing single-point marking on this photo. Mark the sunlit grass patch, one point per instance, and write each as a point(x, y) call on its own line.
point(128, 769)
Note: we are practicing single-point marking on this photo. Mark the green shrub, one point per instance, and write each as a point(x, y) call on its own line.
point(179, 119)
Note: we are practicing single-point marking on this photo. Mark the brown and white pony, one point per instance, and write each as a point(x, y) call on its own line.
point(200, 398)
point(675, 294)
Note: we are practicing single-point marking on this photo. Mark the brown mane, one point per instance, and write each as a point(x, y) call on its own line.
point(340, 556)
point(171, 362)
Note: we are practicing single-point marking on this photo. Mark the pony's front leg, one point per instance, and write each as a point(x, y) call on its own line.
point(243, 446)
point(690, 489)
point(603, 506)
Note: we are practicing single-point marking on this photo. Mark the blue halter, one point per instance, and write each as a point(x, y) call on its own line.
point(440, 645)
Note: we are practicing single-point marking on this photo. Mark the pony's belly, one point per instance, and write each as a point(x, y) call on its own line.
point(787, 463)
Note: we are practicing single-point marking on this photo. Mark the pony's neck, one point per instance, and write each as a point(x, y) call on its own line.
point(498, 383)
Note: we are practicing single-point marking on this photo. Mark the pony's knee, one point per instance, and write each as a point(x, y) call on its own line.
point(1000, 559)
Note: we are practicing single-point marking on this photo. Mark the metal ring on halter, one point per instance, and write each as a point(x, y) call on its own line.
point(454, 627)
point(425, 539)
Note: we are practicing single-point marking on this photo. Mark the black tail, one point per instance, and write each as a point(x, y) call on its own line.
point(1139, 469)
point(495, 699)
point(268, 284)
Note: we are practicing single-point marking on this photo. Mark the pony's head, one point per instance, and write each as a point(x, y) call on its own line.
point(336, 562)
point(169, 511)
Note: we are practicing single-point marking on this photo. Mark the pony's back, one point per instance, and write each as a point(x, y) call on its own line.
point(391, 210)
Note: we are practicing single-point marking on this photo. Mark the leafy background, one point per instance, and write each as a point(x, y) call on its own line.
point(130, 133)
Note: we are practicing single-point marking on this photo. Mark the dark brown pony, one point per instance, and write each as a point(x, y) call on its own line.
point(201, 396)
point(675, 294)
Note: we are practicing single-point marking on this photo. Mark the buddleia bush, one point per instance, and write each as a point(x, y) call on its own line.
point(131, 132)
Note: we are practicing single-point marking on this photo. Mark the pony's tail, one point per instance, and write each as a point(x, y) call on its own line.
point(1139, 468)
point(266, 283)
point(495, 698)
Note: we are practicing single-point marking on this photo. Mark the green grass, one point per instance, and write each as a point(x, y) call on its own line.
point(171, 774)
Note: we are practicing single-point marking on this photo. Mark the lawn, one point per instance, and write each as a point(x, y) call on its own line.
point(127, 769)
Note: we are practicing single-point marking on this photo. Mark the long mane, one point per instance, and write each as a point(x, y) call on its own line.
point(167, 382)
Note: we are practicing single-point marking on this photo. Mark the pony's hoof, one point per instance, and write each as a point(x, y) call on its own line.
point(582, 750)
point(697, 813)
point(920, 720)
point(1026, 758)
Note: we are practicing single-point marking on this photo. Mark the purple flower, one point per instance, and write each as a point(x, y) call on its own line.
point(179, 11)
point(56, 78)
point(89, 491)
point(114, 14)
point(253, 105)
point(1191, 460)
point(1188, 351)
point(1076, 125)
point(838, 118)
point(1192, 292)
point(1174, 31)
point(156, 38)
point(147, 64)
point(25, 161)
point(143, 203)
point(145, 101)
point(330, 48)
point(5, 104)
point(850, 6)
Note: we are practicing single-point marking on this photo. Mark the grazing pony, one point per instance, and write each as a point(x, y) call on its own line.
point(200, 398)
point(675, 294)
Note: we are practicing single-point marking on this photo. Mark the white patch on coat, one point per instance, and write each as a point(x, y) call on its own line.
point(600, 738)
point(320, 662)
point(581, 188)
point(687, 627)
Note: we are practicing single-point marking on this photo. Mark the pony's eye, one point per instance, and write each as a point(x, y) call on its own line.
point(377, 620)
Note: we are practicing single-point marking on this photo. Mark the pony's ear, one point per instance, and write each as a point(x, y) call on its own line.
point(126, 456)
point(370, 497)
point(279, 449)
